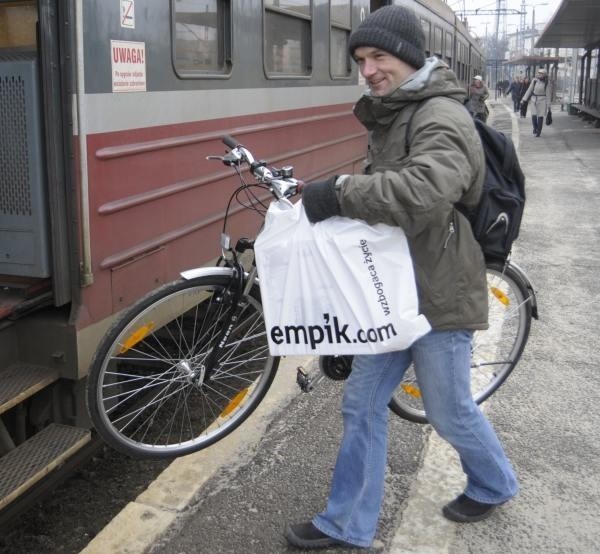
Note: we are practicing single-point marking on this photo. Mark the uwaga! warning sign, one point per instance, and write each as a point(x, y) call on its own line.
point(128, 61)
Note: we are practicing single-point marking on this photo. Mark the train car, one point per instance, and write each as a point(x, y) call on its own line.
point(108, 111)
point(448, 38)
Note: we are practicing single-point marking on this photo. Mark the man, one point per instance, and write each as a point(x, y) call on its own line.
point(516, 93)
point(417, 192)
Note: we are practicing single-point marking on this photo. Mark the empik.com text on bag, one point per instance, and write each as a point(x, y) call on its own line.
point(331, 330)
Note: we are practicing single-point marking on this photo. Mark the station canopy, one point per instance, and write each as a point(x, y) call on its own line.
point(534, 60)
point(576, 24)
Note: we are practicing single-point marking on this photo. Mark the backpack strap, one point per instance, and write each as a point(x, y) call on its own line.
point(545, 85)
point(409, 124)
point(412, 115)
point(508, 158)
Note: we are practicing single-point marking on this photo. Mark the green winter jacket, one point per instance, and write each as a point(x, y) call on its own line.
point(418, 191)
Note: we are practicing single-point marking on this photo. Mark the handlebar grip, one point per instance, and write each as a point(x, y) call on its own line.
point(230, 141)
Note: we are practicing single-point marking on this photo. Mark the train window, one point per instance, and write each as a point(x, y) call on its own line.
point(437, 41)
point(341, 26)
point(449, 47)
point(288, 38)
point(468, 75)
point(301, 7)
point(427, 30)
point(202, 32)
point(477, 64)
point(17, 24)
point(462, 73)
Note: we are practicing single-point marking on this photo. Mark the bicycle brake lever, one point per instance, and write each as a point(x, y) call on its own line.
point(228, 159)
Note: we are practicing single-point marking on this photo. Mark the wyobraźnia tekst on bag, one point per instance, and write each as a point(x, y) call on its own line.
point(336, 287)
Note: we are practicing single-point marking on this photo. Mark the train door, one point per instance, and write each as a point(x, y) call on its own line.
point(33, 213)
point(35, 243)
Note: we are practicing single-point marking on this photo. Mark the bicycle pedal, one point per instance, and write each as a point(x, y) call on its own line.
point(303, 380)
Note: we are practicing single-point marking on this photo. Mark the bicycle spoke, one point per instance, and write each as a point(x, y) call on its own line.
point(153, 392)
point(494, 352)
point(153, 383)
point(138, 411)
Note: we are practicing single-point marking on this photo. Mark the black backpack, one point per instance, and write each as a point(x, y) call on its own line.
point(497, 218)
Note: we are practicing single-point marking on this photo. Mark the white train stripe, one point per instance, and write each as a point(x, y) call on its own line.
point(135, 110)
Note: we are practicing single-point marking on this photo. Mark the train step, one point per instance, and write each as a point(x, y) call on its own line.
point(20, 381)
point(21, 295)
point(27, 464)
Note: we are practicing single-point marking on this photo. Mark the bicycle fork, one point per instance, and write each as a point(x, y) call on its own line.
point(231, 295)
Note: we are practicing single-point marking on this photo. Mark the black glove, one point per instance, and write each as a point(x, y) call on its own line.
point(320, 200)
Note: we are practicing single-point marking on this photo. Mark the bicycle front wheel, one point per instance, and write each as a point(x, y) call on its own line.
point(494, 352)
point(149, 394)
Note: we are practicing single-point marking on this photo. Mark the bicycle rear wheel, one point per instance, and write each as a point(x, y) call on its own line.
point(148, 392)
point(495, 351)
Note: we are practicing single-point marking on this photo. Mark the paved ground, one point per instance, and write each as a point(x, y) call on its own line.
point(237, 496)
point(548, 412)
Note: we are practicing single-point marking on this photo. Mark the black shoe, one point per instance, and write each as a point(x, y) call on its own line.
point(466, 510)
point(308, 537)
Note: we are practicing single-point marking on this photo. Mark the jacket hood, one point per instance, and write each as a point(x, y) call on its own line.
point(433, 79)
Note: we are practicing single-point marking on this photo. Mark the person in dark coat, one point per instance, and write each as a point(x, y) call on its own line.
point(516, 92)
point(523, 104)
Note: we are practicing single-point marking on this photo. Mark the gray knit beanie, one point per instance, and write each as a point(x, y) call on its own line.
point(396, 30)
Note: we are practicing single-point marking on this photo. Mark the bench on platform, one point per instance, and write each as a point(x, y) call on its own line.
point(586, 112)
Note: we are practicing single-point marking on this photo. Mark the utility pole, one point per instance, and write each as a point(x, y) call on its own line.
point(500, 24)
point(522, 28)
point(500, 13)
point(533, 29)
point(533, 36)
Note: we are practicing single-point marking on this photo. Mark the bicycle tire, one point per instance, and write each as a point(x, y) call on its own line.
point(147, 394)
point(495, 351)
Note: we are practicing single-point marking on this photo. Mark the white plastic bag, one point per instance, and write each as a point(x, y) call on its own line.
point(336, 287)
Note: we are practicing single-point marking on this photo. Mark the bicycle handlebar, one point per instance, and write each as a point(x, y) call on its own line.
point(230, 141)
point(280, 181)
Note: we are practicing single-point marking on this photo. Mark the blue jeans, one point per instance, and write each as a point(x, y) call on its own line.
point(442, 367)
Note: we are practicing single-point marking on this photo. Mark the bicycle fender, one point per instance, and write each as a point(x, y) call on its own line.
point(527, 282)
point(190, 274)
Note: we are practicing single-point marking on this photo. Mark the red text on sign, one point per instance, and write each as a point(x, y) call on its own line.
point(128, 55)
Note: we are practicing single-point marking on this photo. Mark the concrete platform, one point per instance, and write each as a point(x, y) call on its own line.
point(238, 495)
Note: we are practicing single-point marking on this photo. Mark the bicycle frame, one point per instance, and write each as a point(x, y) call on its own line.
point(281, 183)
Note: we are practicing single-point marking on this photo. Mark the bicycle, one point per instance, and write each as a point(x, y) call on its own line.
point(495, 352)
point(189, 362)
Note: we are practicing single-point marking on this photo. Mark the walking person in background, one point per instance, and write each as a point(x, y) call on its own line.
point(540, 93)
point(416, 191)
point(523, 104)
point(516, 93)
point(478, 94)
